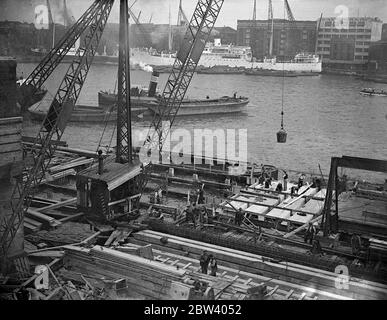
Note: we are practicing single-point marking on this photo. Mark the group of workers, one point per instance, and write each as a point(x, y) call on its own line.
point(208, 260)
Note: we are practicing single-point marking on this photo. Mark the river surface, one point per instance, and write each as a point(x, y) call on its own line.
point(324, 116)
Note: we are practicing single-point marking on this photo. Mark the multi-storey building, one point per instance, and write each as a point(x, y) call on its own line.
point(344, 43)
point(289, 37)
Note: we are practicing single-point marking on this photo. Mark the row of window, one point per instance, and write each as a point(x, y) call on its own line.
point(346, 30)
point(327, 56)
point(351, 23)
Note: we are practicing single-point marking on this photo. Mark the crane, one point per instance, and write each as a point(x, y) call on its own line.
point(289, 11)
point(54, 124)
point(181, 17)
point(270, 28)
point(187, 58)
point(34, 82)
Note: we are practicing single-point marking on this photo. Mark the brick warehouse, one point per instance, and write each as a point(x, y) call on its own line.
point(289, 38)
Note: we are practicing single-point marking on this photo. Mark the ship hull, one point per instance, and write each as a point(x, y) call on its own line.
point(224, 105)
point(209, 61)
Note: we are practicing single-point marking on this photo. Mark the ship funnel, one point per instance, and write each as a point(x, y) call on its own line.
point(153, 84)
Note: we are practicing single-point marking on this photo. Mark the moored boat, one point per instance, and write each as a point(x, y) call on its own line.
point(225, 104)
point(373, 92)
point(269, 73)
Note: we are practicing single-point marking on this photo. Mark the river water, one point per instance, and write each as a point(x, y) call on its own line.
point(324, 116)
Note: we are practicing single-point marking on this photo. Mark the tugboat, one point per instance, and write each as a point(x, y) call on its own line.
point(373, 92)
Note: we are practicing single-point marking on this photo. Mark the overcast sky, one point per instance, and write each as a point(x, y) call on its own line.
point(232, 9)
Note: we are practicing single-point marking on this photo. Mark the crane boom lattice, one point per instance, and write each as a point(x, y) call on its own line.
point(187, 59)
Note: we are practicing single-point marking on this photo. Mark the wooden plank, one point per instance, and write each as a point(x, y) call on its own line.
point(304, 226)
point(302, 296)
point(57, 205)
point(174, 262)
point(225, 267)
point(14, 121)
point(111, 238)
point(187, 265)
point(289, 294)
point(44, 218)
point(4, 130)
point(324, 279)
point(72, 217)
point(273, 290)
point(9, 138)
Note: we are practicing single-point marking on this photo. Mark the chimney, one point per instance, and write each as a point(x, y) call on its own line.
point(153, 84)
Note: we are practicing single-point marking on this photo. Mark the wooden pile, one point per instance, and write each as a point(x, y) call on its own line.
point(147, 278)
point(66, 233)
point(312, 281)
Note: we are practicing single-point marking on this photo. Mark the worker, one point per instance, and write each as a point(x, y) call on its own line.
point(189, 214)
point(204, 260)
point(235, 95)
point(159, 195)
point(279, 187)
point(239, 217)
point(293, 191)
point(267, 183)
point(316, 247)
point(213, 265)
point(285, 177)
point(208, 97)
point(309, 234)
point(301, 180)
point(261, 179)
point(201, 195)
point(318, 184)
point(196, 213)
point(355, 244)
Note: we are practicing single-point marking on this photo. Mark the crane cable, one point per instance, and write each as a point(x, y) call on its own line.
point(283, 79)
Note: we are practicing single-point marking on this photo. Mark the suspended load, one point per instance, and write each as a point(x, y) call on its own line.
point(281, 136)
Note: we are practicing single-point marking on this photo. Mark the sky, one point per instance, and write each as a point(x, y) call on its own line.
point(232, 10)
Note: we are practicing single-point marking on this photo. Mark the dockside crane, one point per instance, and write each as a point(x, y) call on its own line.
point(34, 82)
point(92, 23)
point(289, 11)
point(187, 59)
point(270, 28)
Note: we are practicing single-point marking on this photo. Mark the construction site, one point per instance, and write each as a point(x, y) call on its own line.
point(136, 223)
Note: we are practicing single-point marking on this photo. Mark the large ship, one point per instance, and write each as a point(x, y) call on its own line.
point(217, 54)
